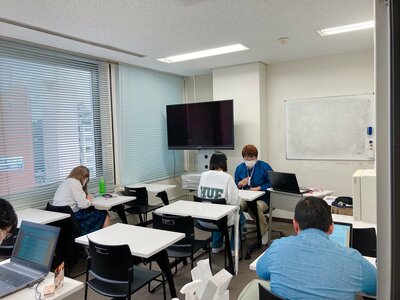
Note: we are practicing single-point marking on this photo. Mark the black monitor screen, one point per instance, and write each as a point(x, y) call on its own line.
point(204, 125)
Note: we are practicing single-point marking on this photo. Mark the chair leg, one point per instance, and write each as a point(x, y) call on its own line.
point(163, 286)
point(141, 219)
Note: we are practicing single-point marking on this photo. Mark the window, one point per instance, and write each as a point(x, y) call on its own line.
point(142, 124)
point(54, 116)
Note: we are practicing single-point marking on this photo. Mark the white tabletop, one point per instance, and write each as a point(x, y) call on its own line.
point(314, 192)
point(70, 286)
point(143, 241)
point(102, 203)
point(350, 219)
point(249, 195)
point(200, 210)
point(152, 187)
point(40, 216)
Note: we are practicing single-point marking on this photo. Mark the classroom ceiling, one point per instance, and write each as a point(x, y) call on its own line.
point(161, 28)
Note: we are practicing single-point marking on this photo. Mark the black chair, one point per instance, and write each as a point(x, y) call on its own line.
point(66, 249)
point(186, 247)
point(140, 206)
point(364, 240)
point(265, 294)
point(7, 246)
point(113, 274)
point(212, 226)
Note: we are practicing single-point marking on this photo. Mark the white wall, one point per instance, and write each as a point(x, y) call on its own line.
point(244, 84)
point(345, 74)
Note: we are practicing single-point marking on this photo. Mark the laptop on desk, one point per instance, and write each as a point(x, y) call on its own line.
point(31, 257)
point(285, 182)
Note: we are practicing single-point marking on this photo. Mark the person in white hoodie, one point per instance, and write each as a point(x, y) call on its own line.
point(215, 184)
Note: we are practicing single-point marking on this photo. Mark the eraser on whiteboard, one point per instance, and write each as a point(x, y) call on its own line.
point(369, 130)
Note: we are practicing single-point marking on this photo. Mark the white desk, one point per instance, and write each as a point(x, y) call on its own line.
point(350, 219)
point(40, 216)
point(70, 286)
point(249, 195)
point(142, 241)
point(208, 211)
point(288, 201)
point(102, 203)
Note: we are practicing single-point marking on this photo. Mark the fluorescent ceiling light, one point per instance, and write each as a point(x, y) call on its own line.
point(204, 53)
point(346, 28)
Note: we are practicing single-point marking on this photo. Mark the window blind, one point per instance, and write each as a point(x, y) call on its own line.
point(142, 125)
point(54, 116)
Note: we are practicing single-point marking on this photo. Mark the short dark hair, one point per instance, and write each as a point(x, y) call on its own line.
point(8, 217)
point(313, 212)
point(218, 161)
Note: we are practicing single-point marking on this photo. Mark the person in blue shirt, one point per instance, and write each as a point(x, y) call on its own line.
point(310, 265)
point(252, 174)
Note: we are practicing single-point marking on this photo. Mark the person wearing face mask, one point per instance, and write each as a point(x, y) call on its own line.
point(252, 174)
point(8, 222)
point(73, 192)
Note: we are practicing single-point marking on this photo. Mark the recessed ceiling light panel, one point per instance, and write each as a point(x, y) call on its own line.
point(346, 28)
point(204, 53)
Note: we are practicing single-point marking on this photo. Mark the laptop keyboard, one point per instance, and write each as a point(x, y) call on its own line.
point(13, 278)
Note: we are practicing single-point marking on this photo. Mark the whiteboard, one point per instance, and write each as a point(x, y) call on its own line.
point(330, 128)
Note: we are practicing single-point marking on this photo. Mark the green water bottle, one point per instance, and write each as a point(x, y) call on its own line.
point(102, 186)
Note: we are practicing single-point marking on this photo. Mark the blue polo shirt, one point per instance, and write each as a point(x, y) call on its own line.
point(311, 266)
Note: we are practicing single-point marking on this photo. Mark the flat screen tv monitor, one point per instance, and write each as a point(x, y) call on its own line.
point(203, 125)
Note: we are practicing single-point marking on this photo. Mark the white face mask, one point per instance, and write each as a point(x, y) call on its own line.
point(250, 163)
point(84, 181)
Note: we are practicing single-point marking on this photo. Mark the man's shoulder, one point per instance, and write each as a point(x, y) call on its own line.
point(265, 164)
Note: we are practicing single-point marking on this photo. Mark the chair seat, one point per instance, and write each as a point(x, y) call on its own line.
point(141, 277)
point(186, 250)
point(141, 209)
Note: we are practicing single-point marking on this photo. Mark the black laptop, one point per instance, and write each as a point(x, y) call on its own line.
point(285, 182)
point(31, 257)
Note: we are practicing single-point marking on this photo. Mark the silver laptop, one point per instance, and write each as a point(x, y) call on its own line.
point(342, 234)
point(31, 257)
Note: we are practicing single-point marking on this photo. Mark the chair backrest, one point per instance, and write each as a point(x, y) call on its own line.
point(215, 201)
point(7, 246)
point(364, 240)
point(183, 224)
point(140, 193)
point(69, 230)
point(114, 263)
point(265, 294)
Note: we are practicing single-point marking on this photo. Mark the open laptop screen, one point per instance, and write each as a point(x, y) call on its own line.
point(35, 245)
point(342, 234)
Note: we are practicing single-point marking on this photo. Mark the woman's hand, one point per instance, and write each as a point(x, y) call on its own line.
point(89, 197)
point(243, 182)
point(257, 188)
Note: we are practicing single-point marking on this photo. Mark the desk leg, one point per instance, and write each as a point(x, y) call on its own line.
point(120, 210)
point(223, 227)
point(270, 220)
point(237, 241)
point(164, 197)
point(163, 262)
point(252, 205)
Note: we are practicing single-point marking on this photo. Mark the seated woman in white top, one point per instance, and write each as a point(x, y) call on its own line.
point(215, 184)
point(73, 192)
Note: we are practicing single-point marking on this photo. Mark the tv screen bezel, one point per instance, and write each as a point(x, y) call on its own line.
point(204, 147)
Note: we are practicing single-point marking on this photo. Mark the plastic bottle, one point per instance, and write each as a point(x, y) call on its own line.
point(102, 186)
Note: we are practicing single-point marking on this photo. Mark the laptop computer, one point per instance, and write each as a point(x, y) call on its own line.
point(285, 182)
point(342, 234)
point(31, 257)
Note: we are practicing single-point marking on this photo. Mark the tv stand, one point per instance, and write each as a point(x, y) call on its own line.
point(203, 159)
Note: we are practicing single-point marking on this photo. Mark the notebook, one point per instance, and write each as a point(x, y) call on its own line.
point(342, 234)
point(285, 182)
point(31, 257)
